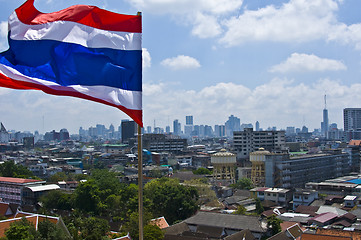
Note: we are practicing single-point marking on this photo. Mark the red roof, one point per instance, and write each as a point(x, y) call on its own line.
point(355, 142)
point(324, 217)
point(18, 180)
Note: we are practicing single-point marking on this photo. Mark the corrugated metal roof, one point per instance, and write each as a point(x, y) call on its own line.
point(44, 188)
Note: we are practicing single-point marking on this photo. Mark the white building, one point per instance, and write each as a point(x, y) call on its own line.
point(247, 141)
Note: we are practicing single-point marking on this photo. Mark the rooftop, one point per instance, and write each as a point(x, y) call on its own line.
point(18, 180)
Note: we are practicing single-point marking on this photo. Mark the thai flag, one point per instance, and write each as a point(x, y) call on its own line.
point(81, 51)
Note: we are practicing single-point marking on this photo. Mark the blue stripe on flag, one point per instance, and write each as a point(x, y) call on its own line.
point(71, 64)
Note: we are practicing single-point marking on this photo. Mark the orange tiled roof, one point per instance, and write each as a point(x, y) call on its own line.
point(3, 208)
point(355, 142)
point(17, 180)
point(310, 236)
point(34, 219)
point(160, 222)
point(353, 234)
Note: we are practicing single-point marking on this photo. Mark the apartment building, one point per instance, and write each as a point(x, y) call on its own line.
point(12, 189)
point(285, 171)
point(247, 141)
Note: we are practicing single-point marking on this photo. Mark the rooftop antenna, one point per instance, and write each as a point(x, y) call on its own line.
point(325, 102)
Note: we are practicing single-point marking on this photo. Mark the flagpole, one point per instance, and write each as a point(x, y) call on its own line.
point(140, 182)
point(140, 175)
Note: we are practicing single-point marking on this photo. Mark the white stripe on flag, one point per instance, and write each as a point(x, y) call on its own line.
point(72, 32)
point(128, 99)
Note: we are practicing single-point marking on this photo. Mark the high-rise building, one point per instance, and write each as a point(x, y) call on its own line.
point(233, 124)
point(188, 128)
point(352, 123)
point(149, 129)
point(4, 135)
point(129, 130)
point(189, 120)
point(257, 126)
point(219, 131)
point(176, 127)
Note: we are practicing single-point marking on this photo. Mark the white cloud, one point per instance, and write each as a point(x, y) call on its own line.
point(300, 62)
point(181, 62)
point(3, 35)
point(206, 26)
point(276, 103)
point(203, 15)
point(187, 6)
point(295, 21)
point(146, 58)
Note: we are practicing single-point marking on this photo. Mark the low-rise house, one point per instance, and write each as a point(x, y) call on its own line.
point(304, 197)
point(323, 219)
point(350, 201)
point(230, 223)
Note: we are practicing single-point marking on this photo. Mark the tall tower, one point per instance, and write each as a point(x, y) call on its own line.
point(325, 124)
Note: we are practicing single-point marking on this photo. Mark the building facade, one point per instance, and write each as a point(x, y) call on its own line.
point(12, 189)
point(352, 123)
point(247, 141)
point(285, 171)
point(224, 166)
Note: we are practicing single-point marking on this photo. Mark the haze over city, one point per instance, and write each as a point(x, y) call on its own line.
point(266, 61)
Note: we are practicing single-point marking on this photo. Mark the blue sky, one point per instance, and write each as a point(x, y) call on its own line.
point(270, 61)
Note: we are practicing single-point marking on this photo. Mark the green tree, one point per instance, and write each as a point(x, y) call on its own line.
point(59, 176)
point(202, 171)
point(94, 228)
point(205, 192)
point(50, 231)
point(90, 228)
point(152, 232)
point(274, 224)
point(171, 200)
point(243, 183)
point(241, 210)
point(21, 230)
point(87, 197)
point(259, 207)
point(57, 199)
point(10, 169)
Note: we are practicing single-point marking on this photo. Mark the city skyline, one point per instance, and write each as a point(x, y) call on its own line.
point(202, 59)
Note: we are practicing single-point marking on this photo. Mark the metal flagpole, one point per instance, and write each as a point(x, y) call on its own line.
point(140, 182)
point(140, 176)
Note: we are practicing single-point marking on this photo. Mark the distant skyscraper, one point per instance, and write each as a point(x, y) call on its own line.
point(149, 129)
point(189, 120)
point(219, 130)
point(129, 130)
point(167, 129)
point(176, 127)
point(352, 123)
point(188, 128)
point(233, 124)
point(257, 126)
point(324, 124)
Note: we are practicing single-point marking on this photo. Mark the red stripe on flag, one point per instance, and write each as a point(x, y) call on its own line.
point(88, 15)
point(7, 82)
